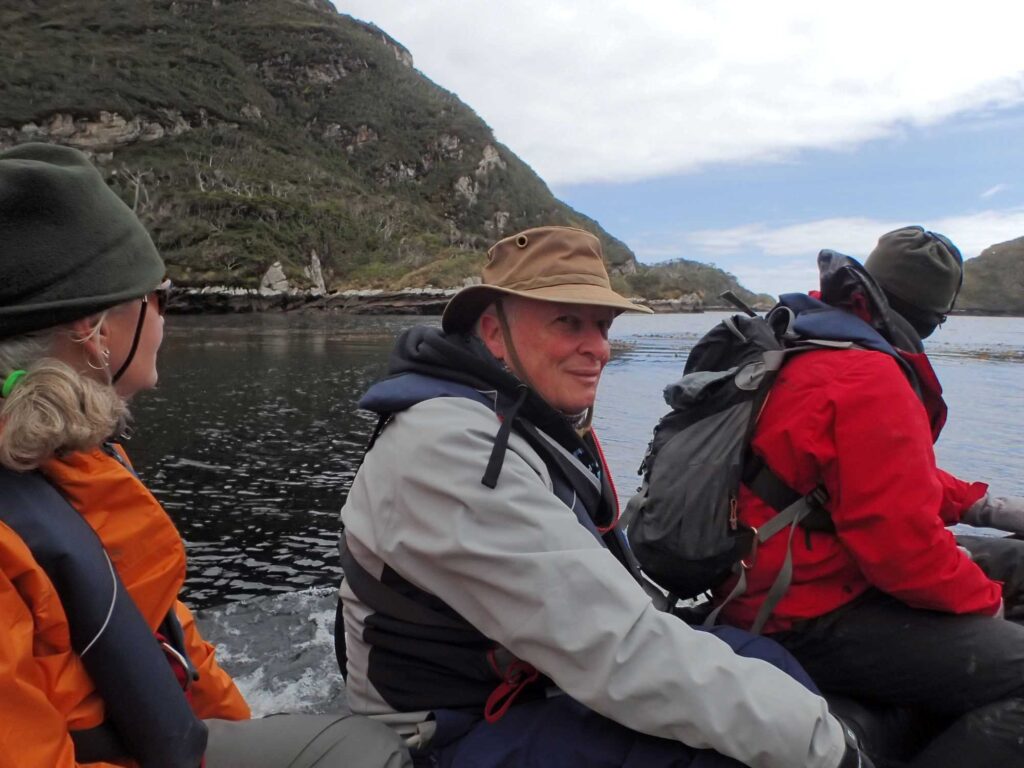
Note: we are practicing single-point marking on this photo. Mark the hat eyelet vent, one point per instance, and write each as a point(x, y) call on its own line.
point(522, 241)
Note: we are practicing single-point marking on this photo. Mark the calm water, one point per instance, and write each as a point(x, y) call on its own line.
point(252, 438)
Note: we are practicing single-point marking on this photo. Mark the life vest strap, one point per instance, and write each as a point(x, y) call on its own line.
point(98, 745)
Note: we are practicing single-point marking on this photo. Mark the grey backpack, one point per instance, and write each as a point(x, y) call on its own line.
point(683, 525)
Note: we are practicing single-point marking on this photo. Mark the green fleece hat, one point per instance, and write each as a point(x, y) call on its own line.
point(69, 246)
point(922, 268)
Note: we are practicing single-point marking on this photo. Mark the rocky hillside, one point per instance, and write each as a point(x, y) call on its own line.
point(248, 132)
point(994, 281)
point(252, 131)
point(680, 278)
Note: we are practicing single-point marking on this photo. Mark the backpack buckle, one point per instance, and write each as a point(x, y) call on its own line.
point(818, 498)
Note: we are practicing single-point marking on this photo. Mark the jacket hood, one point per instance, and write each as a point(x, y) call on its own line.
point(462, 358)
point(845, 283)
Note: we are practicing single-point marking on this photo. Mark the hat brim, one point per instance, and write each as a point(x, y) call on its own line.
point(465, 307)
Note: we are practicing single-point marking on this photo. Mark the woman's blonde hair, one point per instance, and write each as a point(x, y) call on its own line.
point(53, 409)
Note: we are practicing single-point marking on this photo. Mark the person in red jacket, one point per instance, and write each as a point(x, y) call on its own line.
point(100, 662)
point(887, 607)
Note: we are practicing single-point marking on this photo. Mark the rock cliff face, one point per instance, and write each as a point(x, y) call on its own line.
point(249, 133)
point(109, 131)
point(994, 281)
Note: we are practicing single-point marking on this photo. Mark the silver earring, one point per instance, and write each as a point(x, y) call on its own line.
point(105, 354)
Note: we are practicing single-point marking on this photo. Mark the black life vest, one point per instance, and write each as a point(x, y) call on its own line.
point(148, 717)
point(423, 654)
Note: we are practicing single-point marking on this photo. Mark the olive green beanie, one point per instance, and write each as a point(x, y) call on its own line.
point(923, 269)
point(69, 246)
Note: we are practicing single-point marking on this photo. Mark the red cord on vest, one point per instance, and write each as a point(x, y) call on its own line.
point(181, 672)
point(515, 677)
point(177, 665)
point(611, 484)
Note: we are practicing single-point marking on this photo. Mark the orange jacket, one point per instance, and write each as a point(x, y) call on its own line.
point(44, 688)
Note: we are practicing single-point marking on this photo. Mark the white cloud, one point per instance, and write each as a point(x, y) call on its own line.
point(994, 190)
point(974, 232)
point(855, 236)
point(618, 90)
point(777, 259)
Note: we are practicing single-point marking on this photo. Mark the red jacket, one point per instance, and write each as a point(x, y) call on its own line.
point(850, 420)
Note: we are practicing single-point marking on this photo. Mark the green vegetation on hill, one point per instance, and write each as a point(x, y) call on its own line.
point(677, 278)
point(994, 281)
point(252, 131)
point(248, 132)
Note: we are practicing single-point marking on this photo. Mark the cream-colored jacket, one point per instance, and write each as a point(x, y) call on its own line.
point(516, 564)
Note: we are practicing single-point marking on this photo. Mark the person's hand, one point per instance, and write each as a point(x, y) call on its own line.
point(855, 756)
point(1000, 611)
point(1003, 512)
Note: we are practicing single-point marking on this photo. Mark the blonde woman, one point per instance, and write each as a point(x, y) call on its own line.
point(100, 663)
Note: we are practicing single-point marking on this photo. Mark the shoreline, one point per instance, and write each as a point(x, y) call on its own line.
point(219, 300)
point(410, 301)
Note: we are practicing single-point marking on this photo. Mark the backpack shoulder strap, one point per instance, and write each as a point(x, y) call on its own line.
point(790, 517)
point(777, 494)
point(793, 509)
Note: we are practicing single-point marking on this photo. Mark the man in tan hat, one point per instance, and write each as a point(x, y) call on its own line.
point(491, 611)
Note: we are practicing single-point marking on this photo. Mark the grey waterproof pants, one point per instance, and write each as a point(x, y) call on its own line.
point(304, 741)
point(965, 672)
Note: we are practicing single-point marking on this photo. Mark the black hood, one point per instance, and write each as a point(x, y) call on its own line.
point(842, 276)
point(423, 354)
point(463, 358)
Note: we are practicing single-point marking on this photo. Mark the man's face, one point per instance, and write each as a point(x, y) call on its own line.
point(562, 348)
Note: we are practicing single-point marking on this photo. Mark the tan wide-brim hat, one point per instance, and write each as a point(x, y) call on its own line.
point(559, 264)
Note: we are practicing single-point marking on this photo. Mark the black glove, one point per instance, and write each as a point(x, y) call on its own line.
point(855, 756)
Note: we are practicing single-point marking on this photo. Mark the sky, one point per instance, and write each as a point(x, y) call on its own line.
point(745, 133)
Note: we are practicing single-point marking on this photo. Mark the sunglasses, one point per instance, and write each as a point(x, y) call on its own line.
point(160, 296)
